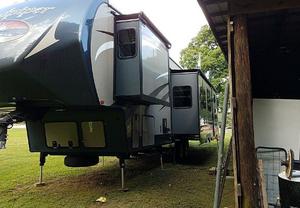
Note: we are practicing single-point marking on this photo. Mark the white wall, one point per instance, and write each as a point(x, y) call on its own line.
point(277, 123)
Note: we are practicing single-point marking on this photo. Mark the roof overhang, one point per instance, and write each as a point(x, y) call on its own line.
point(216, 12)
point(274, 43)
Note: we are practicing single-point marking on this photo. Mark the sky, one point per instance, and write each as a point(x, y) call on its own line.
point(4, 3)
point(178, 20)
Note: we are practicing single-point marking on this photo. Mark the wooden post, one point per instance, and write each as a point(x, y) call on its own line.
point(233, 113)
point(262, 185)
point(246, 156)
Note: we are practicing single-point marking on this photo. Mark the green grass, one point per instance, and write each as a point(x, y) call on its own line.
point(180, 185)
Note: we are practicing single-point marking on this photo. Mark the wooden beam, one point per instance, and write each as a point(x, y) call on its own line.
point(222, 31)
point(255, 6)
point(220, 24)
point(246, 155)
point(218, 13)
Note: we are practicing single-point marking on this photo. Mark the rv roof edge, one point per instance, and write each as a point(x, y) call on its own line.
point(200, 73)
point(148, 22)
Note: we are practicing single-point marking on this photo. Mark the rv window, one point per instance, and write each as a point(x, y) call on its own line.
point(127, 43)
point(215, 108)
point(202, 98)
point(209, 101)
point(182, 97)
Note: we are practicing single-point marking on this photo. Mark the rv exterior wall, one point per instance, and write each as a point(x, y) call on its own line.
point(277, 123)
point(142, 64)
point(102, 54)
point(160, 112)
point(173, 65)
point(155, 64)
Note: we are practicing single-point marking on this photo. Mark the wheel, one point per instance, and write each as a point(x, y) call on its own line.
point(181, 149)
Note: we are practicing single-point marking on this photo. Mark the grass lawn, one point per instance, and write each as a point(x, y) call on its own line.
point(180, 185)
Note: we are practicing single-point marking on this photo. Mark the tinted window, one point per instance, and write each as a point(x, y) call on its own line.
point(202, 98)
point(209, 101)
point(182, 97)
point(127, 43)
point(216, 108)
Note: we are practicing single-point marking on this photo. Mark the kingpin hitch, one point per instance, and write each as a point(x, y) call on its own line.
point(6, 122)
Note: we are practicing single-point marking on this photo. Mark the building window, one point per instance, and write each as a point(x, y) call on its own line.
point(182, 97)
point(127, 43)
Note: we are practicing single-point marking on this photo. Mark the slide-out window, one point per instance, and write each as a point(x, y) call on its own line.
point(215, 108)
point(209, 101)
point(182, 97)
point(202, 98)
point(127, 43)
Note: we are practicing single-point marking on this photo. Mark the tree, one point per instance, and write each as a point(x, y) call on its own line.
point(212, 59)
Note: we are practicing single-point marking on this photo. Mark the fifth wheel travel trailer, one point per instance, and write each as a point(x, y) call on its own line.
point(87, 80)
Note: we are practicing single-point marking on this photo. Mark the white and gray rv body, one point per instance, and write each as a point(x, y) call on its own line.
point(86, 79)
point(52, 51)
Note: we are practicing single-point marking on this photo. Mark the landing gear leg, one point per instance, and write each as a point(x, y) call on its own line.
point(42, 163)
point(161, 159)
point(122, 167)
point(186, 148)
point(178, 151)
point(174, 154)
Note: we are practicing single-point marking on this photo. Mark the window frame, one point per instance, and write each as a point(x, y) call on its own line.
point(135, 44)
point(190, 97)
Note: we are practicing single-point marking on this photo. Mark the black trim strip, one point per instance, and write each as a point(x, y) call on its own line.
point(107, 33)
point(158, 90)
point(113, 8)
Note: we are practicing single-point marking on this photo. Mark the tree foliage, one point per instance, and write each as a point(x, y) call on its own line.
point(212, 59)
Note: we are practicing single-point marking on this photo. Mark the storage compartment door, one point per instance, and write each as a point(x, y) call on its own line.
point(93, 134)
point(61, 134)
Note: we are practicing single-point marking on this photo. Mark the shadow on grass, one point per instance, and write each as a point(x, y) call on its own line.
point(198, 155)
point(201, 155)
point(109, 175)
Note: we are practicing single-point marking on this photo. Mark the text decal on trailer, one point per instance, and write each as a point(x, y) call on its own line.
point(24, 11)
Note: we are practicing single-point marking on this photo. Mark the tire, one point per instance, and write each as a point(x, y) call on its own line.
point(181, 150)
point(81, 161)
